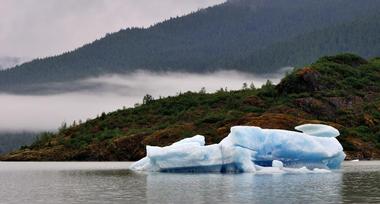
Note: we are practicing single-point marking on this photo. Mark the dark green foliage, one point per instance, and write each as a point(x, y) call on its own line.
point(246, 35)
point(268, 90)
point(147, 99)
point(347, 59)
point(213, 118)
point(42, 140)
point(363, 132)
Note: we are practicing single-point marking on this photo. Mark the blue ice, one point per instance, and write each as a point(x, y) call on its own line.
point(251, 149)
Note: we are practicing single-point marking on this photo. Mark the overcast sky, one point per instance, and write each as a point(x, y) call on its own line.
point(38, 28)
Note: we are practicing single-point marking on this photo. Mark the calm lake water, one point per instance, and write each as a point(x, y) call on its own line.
point(110, 182)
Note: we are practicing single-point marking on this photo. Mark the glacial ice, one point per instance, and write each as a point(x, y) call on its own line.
point(318, 130)
point(251, 149)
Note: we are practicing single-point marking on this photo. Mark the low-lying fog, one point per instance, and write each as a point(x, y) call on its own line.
point(89, 98)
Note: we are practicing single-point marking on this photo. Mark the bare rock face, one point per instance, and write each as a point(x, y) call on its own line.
point(344, 103)
point(310, 78)
point(315, 106)
point(362, 149)
point(336, 106)
point(304, 80)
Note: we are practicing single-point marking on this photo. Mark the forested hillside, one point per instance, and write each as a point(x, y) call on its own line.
point(342, 91)
point(250, 35)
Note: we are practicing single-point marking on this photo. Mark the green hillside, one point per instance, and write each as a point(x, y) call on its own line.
point(249, 35)
point(342, 91)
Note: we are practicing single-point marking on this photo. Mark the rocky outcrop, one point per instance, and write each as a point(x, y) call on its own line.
point(304, 80)
point(361, 149)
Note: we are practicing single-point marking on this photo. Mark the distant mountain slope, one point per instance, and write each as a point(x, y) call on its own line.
point(342, 91)
point(359, 36)
point(239, 34)
point(12, 141)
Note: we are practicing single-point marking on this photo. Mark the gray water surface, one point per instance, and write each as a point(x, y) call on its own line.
point(111, 182)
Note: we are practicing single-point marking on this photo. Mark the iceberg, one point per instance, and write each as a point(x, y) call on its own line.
point(318, 130)
point(251, 149)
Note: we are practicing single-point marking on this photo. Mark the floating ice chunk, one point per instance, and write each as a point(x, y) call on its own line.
point(196, 139)
point(248, 149)
point(318, 130)
point(270, 170)
point(292, 148)
point(237, 159)
point(276, 163)
point(186, 157)
point(297, 170)
point(305, 170)
point(143, 164)
point(278, 170)
point(146, 163)
point(317, 170)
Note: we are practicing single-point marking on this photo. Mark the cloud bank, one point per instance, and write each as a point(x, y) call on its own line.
point(8, 62)
point(91, 97)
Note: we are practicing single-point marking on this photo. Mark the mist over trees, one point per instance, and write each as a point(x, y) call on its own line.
point(247, 35)
point(7, 62)
point(11, 141)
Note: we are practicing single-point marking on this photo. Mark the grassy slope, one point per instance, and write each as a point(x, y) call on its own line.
point(343, 91)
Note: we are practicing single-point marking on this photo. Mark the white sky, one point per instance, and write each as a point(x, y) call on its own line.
point(38, 28)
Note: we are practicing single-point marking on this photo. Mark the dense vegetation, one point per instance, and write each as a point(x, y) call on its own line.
point(342, 90)
point(249, 35)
